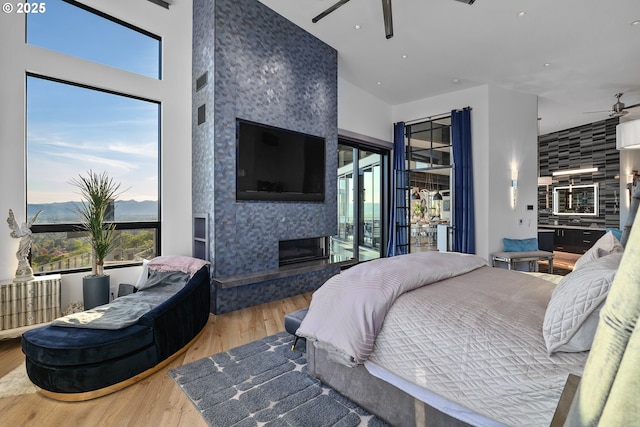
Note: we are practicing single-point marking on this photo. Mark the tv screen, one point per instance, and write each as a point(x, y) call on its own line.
point(278, 164)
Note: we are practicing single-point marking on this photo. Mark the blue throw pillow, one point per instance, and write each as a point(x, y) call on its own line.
point(520, 245)
point(616, 233)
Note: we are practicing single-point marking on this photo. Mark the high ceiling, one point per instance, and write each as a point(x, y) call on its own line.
point(573, 54)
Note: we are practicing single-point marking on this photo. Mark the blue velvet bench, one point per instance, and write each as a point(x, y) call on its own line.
point(75, 364)
point(292, 323)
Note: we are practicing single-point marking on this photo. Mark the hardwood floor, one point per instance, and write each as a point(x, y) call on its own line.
point(563, 263)
point(157, 400)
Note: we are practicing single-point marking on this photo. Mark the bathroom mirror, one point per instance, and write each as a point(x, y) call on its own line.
point(581, 200)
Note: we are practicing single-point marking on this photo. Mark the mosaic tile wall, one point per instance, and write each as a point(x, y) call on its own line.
point(580, 147)
point(257, 293)
point(262, 68)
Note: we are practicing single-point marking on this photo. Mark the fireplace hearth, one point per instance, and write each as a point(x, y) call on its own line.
point(302, 250)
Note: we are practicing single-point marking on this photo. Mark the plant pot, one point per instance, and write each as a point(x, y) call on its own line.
point(95, 291)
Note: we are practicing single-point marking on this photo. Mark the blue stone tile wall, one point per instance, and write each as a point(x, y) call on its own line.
point(231, 299)
point(262, 68)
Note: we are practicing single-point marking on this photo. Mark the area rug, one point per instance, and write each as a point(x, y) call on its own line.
point(16, 383)
point(265, 383)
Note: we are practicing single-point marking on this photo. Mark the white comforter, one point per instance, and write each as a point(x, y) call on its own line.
point(476, 340)
point(347, 312)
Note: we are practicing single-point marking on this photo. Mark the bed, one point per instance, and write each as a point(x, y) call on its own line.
point(443, 339)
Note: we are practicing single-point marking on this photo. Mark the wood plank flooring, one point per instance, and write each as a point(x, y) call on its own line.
point(157, 400)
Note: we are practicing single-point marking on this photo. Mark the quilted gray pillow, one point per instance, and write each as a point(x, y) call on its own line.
point(602, 247)
point(572, 315)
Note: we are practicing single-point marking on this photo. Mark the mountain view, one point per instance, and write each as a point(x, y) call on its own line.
point(59, 251)
point(125, 210)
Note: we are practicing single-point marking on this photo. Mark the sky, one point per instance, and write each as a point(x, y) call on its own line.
point(71, 129)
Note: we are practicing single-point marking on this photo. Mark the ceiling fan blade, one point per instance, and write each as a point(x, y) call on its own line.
point(469, 2)
point(388, 18)
point(596, 112)
point(329, 10)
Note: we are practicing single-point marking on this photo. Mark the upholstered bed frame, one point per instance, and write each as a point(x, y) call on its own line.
point(378, 396)
point(593, 395)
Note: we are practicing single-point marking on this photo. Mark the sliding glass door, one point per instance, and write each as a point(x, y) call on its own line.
point(360, 203)
point(369, 225)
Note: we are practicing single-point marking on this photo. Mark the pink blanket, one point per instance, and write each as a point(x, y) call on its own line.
point(347, 312)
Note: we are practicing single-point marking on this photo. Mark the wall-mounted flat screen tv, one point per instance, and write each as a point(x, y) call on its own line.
point(278, 164)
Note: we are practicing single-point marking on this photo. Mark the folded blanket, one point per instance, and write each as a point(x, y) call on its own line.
point(127, 310)
point(347, 312)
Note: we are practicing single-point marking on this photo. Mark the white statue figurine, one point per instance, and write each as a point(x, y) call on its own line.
point(23, 232)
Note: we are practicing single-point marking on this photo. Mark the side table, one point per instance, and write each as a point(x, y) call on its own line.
point(24, 305)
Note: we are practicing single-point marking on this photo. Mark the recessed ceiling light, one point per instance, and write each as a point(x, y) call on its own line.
point(356, 27)
point(547, 64)
point(522, 13)
point(636, 23)
point(379, 83)
point(455, 81)
point(404, 56)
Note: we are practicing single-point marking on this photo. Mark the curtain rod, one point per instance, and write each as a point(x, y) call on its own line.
point(410, 122)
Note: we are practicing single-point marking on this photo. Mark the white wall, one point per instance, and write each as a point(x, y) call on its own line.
point(503, 129)
point(173, 91)
point(513, 143)
point(629, 161)
point(363, 113)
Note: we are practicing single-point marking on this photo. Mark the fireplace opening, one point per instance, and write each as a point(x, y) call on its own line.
point(302, 250)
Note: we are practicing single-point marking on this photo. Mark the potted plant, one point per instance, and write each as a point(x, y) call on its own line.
point(98, 193)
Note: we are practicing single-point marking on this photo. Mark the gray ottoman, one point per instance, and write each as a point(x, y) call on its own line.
point(292, 323)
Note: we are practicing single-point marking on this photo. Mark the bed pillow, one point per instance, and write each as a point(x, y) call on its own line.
point(571, 318)
point(605, 245)
point(520, 245)
point(186, 264)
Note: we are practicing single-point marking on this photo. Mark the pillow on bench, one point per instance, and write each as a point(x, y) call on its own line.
point(520, 245)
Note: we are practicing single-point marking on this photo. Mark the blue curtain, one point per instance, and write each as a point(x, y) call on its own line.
point(398, 214)
point(464, 236)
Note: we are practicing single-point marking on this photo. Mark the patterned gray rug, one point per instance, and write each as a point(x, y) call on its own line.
point(264, 383)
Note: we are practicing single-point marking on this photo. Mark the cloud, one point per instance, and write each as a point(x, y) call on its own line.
point(146, 150)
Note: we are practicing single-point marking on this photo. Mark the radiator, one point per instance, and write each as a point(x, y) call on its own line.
point(29, 303)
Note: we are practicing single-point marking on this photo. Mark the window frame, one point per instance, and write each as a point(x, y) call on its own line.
point(94, 84)
point(114, 20)
point(120, 225)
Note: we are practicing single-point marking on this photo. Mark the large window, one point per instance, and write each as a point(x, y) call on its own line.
point(71, 28)
point(73, 128)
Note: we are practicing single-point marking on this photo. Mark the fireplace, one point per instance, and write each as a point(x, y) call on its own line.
point(303, 250)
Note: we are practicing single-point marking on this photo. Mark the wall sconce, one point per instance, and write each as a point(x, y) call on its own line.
point(632, 182)
point(628, 135)
point(514, 187)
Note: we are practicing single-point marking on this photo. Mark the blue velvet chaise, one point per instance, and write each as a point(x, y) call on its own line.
point(80, 363)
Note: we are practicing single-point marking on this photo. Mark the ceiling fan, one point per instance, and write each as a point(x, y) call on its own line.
point(386, 12)
point(617, 110)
